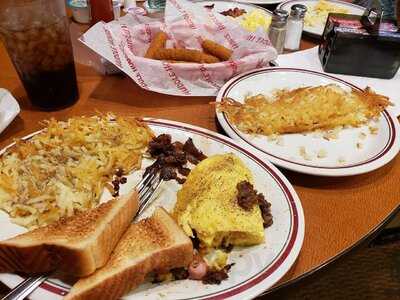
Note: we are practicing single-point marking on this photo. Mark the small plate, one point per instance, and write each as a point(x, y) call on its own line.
point(256, 268)
point(355, 151)
point(222, 5)
point(9, 108)
point(317, 31)
point(261, 2)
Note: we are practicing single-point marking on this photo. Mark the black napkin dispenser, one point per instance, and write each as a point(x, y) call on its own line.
point(360, 45)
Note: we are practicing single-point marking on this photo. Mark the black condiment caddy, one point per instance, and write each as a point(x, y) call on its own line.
point(360, 45)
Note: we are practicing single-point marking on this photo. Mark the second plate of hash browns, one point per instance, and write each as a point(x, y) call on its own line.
point(309, 122)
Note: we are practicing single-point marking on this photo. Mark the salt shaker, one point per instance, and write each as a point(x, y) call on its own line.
point(277, 29)
point(295, 26)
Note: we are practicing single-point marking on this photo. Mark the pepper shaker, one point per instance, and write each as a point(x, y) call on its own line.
point(295, 26)
point(277, 29)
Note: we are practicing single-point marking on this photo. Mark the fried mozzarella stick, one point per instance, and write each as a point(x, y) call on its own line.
point(158, 42)
point(187, 55)
point(216, 49)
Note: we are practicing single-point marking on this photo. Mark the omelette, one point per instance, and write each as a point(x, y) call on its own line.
point(207, 204)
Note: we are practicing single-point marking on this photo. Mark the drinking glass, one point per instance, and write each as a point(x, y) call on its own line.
point(36, 36)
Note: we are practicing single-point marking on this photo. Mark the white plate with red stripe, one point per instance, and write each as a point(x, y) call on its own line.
point(317, 28)
point(353, 151)
point(223, 5)
point(256, 268)
point(261, 2)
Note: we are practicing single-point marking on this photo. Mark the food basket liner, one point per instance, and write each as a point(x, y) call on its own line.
point(125, 41)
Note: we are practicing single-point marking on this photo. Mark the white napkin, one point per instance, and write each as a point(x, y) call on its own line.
point(308, 59)
point(9, 109)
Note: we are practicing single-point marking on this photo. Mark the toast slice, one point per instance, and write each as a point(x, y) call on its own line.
point(77, 245)
point(156, 244)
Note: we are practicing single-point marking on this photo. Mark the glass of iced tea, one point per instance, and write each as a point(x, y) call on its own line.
point(36, 36)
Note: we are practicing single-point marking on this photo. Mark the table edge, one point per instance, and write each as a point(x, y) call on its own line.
point(346, 251)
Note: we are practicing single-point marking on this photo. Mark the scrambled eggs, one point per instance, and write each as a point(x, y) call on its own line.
point(316, 16)
point(207, 204)
point(254, 19)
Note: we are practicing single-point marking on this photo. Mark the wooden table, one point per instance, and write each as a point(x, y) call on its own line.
point(339, 212)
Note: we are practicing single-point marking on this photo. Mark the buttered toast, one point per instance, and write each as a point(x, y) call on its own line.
point(154, 244)
point(77, 245)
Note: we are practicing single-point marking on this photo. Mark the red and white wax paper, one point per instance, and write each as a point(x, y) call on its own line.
point(124, 43)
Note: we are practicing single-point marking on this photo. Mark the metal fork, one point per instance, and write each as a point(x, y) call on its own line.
point(146, 189)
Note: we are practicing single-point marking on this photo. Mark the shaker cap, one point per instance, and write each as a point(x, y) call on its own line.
point(298, 10)
point(280, 16)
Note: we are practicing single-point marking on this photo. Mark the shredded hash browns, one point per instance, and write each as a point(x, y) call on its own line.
point(304, 109)
point(64, 168)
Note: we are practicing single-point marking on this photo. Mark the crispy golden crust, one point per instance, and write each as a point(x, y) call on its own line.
point(155, 244)
point(74, 228)
point(158, 42)
point(216, 50)
point(76, 245)
point(304, 109)
point(187, 55)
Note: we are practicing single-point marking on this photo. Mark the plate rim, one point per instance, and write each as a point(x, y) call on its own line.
point(278, 268)
point(390, 151)
point(314, 33)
